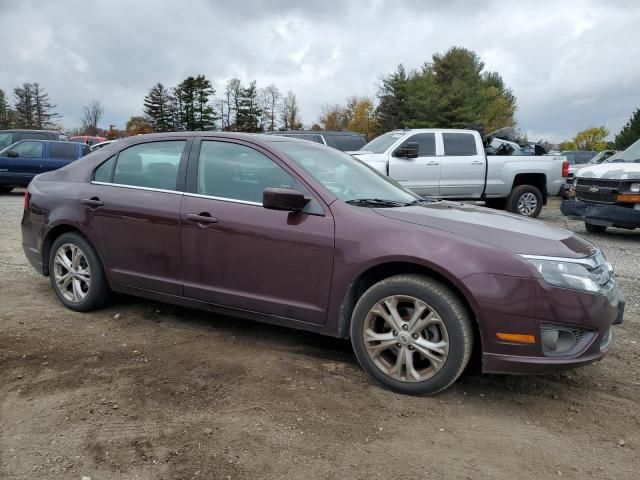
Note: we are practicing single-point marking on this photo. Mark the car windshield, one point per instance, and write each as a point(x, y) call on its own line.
point(347, 178)
point(383, 142)
point(630, 155)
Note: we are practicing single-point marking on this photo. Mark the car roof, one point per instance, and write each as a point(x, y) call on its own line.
point(315, 132)
point(30, 130)
point(46, 141)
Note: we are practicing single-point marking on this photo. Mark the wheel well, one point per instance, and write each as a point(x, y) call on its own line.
point(538, 180)
point(48, 242)
point(385, 270)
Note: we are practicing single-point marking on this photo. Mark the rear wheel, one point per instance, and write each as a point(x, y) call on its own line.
point(525, 200)
point(591, 228)
point(412, 334)
point(76, 273)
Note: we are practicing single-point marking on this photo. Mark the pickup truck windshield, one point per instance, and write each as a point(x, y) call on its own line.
point(347, 178)
point(382, 143)
point(630, 155)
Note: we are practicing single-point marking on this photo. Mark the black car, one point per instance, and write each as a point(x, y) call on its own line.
point(9, 137)
point(342, 140)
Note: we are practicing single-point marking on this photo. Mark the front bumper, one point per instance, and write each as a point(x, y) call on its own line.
point(601, 214)
point(522, 306)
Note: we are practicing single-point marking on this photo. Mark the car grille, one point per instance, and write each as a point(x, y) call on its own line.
point(597, 190)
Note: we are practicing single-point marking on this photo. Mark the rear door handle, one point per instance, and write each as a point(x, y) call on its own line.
point(94, 202)
point(433, 162)
point(202, 218)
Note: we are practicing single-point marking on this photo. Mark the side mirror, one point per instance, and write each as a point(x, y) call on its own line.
point(12, 154)
point(285, 199)
point(410, 150)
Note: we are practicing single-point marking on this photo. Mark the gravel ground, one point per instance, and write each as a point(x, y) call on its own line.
point(144, 390)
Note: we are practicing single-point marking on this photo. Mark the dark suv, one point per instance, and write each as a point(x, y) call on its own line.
point(9, 137)
point(342, 140)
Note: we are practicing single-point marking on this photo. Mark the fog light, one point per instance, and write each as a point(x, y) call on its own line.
point(564, 340)
point(606, 339)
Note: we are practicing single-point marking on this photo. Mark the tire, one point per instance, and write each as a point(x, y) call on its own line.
point(88, 289)
point(5, 189)
point(525, 200)
point(591, 228)
point(447, 320)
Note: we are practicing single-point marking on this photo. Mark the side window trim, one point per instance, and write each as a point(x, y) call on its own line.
point(191, 186)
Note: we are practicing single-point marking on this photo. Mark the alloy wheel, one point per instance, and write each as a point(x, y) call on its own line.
point(527, 204)
point(406, 338)
point(72, 273)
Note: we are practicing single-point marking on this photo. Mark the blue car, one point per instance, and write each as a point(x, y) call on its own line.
point(25, 159)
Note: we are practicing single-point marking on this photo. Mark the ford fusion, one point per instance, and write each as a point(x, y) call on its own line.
point(292, 233)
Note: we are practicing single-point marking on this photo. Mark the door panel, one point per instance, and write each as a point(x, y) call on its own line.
point(138, 233)
point(256, 259)
point(463, 166)
point(422, 174)
point(23, 168)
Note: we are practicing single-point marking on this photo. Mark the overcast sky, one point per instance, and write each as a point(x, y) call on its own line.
point(571, 64)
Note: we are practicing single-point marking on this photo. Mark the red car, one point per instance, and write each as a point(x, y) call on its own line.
point(293, 233)
point(88, 140)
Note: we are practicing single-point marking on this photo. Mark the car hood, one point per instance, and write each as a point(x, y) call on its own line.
point(615, 171)
point(369, 157)
point(514, 233)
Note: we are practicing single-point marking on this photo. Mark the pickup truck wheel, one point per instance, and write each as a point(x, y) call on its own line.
point(591, 228)
point(525, 200)
point(76, 273)
point(412, 334)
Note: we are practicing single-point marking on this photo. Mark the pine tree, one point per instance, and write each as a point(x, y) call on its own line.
point(392, 112)
point(5, 111)
point(629, 133)
point(204, 114)
point(158, 108)
point(32, 107)
point(249, 112)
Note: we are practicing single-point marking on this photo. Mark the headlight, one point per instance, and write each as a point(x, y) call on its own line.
point(634, 188)
point(589, 275)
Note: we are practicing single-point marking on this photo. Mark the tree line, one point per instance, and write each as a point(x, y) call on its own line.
point(192, 105)
point(31, 108)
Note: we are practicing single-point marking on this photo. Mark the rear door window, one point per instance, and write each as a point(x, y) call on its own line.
point(459, 144)
point(426, 144)
point(150, 165)
point(29, 149)
point(64, 151)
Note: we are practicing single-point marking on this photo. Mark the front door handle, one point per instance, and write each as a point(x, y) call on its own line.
point(93, 202)
point(433, 162)
point(477, 162)
point(203, 218)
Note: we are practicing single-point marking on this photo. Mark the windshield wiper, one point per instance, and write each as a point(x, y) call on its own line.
point(375, 202)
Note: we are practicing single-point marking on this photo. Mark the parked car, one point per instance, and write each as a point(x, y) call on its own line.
point(342, 140)
point(295, 233)
point(577, 159)
point(608, 194)
point(88, 139)
point(448, 163)
point(9, 137)
point(98, 146)
point(23, 160)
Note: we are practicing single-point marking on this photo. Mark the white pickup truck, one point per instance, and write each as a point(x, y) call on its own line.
point(448, 163)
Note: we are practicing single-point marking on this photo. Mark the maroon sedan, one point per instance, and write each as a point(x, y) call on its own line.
point(293, 233)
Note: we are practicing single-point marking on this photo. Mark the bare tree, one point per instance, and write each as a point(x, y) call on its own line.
point(92, 115)
point(270, 96)
point(289, 115)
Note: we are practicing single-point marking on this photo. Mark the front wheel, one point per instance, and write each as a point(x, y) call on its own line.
point(525, 200)
point(412, 334)
point(76, 273)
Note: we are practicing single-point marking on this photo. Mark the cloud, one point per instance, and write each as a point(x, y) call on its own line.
point(570, 64)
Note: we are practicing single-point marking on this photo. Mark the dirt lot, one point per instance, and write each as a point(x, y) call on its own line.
point(145, 390)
